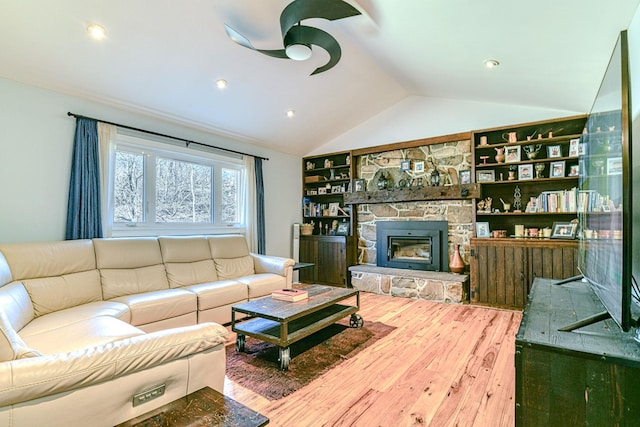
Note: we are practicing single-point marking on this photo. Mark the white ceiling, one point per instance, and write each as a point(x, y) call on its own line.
point(162, 57)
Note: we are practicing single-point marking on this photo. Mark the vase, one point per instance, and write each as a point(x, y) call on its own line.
point(456, 265)
point(499, 155)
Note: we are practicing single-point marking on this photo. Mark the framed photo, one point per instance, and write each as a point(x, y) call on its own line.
point(525, 171)
point(343, 229)
point(574, 170)
point(512, 154)
point(336, 189)
point(465, 176)
point(574, 147)
point(557, 169)
point(554, 151)
point(405, 165)
point(614, 166)
point(482, 229)
point(333, 208)
point(358, 184)
point(418, 166)
point(582, 149)
point(486, 176)
point(322, 190)
point(564, 230)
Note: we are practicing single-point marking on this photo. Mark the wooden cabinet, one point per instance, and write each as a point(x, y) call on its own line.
point(588, 377)
point(331, 256)
point(326, 179)
point(531, 167)
point(502, 270)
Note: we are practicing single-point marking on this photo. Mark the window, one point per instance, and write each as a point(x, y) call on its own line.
point(158, 188)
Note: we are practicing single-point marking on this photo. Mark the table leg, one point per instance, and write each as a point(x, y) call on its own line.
point(284, 357)
point(240, 342)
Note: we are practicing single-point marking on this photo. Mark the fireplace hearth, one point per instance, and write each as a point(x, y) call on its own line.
point(413, 245)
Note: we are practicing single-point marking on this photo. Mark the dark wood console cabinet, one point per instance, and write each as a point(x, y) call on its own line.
point(502, 270)
point(588, 377)
point(332, 255)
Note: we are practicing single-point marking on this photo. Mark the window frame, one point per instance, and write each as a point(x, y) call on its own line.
point(171, 150)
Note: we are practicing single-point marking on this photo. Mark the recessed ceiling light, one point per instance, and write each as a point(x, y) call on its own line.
point(291, 113)
point(491, 63)
point(96, 31)
point(221, 83)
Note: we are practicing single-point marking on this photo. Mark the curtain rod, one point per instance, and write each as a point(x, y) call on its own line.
point(186, 141)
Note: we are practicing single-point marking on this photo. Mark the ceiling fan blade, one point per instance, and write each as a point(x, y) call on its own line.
point(243, 41)
point(238, 38)
point(299, 10)
point(301, 34)
point(280, 53)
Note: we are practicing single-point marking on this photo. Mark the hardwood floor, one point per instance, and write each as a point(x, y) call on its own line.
point(444, 365)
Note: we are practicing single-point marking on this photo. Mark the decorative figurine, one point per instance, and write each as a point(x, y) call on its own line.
point(517, 200)
point(532, 150)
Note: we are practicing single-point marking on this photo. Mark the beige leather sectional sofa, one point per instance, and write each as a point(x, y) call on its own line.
point(86, 325)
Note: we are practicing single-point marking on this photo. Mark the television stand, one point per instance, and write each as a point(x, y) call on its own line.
point(586, 377)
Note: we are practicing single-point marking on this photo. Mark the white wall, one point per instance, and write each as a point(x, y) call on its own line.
point(418, 117)
point(36, 138)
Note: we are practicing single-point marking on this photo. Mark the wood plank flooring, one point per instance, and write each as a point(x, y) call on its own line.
point(444, 365)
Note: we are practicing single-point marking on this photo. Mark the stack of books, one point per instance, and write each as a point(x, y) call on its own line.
point(291, 295)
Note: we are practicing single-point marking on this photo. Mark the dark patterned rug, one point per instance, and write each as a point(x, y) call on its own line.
point(257, 368)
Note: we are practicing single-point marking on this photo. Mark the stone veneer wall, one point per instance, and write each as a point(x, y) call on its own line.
point(449, 158)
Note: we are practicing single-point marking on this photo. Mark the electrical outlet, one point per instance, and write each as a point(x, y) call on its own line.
point(148, 395)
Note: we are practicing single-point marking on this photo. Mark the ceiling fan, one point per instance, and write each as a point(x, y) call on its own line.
point(298, 38)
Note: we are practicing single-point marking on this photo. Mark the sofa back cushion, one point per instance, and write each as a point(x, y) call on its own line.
point(231, 256)
point(57, 275)
point(130, 266)
point(187, 260)
point(49, 294)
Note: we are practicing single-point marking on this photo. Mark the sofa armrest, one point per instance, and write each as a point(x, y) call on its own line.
point(271, 264)
point(26, 379)
point(275, 265)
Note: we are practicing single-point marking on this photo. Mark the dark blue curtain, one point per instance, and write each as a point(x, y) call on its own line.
point(83, 210)
point(262, 239)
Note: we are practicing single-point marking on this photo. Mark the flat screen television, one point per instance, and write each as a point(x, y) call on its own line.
point(607, 224)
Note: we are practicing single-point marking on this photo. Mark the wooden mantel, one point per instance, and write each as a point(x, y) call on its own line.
point(449, 192)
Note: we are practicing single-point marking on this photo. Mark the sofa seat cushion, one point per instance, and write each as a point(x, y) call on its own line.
point(217, 294)
point(151, 307)
point(80, 335)
point(76, 314)
point(261, 285)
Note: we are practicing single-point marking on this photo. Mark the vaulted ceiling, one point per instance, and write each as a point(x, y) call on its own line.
point(163, 57)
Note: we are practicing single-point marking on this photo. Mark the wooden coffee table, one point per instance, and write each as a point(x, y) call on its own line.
point(282, 323)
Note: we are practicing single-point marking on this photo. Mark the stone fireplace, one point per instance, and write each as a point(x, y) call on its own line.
point(414, 245)
point(450, 158)
point(411, 278)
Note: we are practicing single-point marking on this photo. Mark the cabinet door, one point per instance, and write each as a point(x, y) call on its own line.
point(553, 262)
point(309, 253)
point(332, 267)
point(498, 275)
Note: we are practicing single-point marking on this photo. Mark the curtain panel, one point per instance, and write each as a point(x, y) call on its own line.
point(260, 220)
point(84, 219)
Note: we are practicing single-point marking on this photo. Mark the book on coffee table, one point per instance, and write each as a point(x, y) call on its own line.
point(291, 295)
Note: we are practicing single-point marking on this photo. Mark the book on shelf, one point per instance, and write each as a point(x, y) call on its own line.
point(291, 295)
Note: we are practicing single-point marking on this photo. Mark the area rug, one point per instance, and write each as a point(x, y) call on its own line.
point(257, 368)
